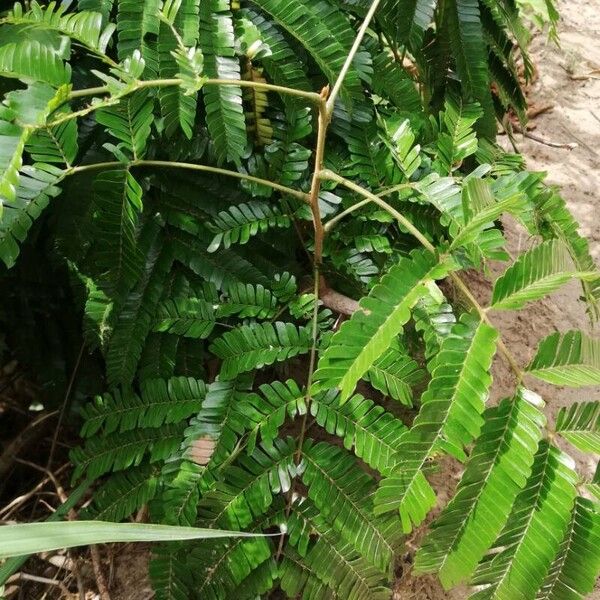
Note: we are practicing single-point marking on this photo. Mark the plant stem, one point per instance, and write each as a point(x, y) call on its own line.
point(331, 176)
point(460, 284)
point(159, 83)
point(348, 62)
point(192, 167)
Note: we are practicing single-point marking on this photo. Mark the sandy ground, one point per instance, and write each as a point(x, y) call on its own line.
point(567, 81)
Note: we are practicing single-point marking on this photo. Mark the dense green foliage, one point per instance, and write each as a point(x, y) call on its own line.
point(204, 189)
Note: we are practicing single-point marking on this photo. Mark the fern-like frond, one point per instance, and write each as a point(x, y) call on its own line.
point(480, 209)
point(242, 221)
point(169, 572)
point(380, 318)
point(535, 274)
point(30, 60)
point(130, 122)
point(325, 33)
point(134, 320)
point(570, 358)
point(450, 417)
point(221, 568)
point(248, 487)
point(575, 569)
point(189, 317)
point(556, 221)
point(391, 81)
point(463, 28)
point(20, 113)
point(262, 415)
point(365, 428)
point(253, 346)
point(223, 268)
point(580, 425)
point(86, 27)
point(137, 27)
point(434, 319)
point(54, 144)
point(118, 204)
point(160, 402)
point(178, 107)
point(458, 140)
point(119, 451)
point(224, 111)
point(394, 374)
point(496, 472)
point(534, 531)
point(246, 300)
point(36, 187)
point(282, 64)
point(123, 493)
point(335, 563)
point(344, 496)
point(407, 22)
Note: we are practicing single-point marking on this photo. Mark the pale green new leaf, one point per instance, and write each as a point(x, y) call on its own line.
point(535, 274)
point(524, 552)
point(496, 471)
point(449, 419)
point(570, 358)
point(576, 566)
point(380, 318)
point(580, 425)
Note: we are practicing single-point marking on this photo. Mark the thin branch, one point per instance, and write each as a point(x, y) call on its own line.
point(348, 62)
point(460, 284)
point(159, 83)
point(331, 176)
point(193, 167)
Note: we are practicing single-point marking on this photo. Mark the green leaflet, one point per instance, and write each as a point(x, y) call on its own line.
point(450, 417)
point(571, 359)
point(344, 496)
point(250, 347)
point(189, 317)
point(534, 531)
point(224, 112)
point(161, 401)
point(326, 35)
point(365, 427)
point(575, 568)
point(495, 473)
point(580, 425)
point(36, 187)
point(369, 333)
point(535, 274)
